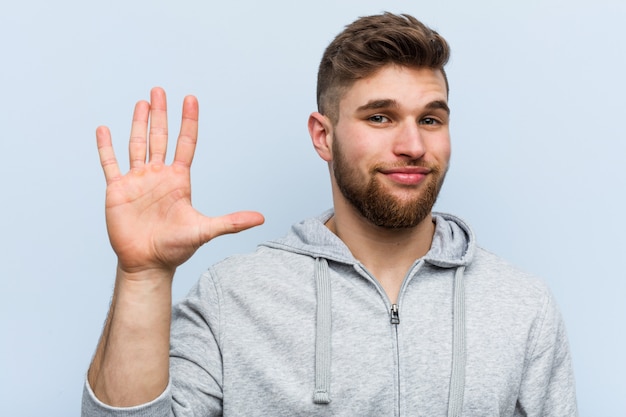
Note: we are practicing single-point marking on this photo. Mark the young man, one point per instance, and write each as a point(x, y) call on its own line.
point(376, 307)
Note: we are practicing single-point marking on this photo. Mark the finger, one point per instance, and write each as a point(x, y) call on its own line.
point(229, 223)
point(138, 142)
point(187, 139)
point(157, 143)
point(107, 155)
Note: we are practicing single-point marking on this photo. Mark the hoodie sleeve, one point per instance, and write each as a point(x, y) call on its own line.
point(195, 386)
point(548, 388)
point(159, 407)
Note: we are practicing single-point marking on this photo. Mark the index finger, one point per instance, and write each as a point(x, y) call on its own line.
point(187, 139)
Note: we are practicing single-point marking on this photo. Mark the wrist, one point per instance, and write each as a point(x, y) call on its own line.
point(148, 289)
point(144, 274)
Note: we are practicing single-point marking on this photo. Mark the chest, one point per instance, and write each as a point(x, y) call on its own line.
point(376, 367)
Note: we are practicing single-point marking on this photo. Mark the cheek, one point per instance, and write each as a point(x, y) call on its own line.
point(447, 153)
point(441, 149)
point(356, 146)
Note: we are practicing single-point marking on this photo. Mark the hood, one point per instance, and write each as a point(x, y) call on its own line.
point(453, 242)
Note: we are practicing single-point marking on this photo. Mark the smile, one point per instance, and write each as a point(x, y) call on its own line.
point(406, 175)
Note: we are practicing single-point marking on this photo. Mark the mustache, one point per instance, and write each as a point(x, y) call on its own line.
point(432, 167)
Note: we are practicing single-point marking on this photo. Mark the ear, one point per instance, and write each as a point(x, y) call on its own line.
point(321, 131)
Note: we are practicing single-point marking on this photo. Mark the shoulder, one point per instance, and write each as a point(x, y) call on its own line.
point(496, 282)
point(511, 299)
point(495, 269)
point(265, 264)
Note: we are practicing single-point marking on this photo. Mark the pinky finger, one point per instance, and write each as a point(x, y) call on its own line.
point(107, 155)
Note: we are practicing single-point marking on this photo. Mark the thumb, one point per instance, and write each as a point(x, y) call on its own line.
point(229, 223)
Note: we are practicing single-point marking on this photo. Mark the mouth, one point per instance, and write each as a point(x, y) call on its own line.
point(407, 175)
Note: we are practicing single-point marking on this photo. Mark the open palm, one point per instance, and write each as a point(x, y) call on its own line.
point(150, 220)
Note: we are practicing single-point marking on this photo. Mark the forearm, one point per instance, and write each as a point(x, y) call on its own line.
point(131, 364)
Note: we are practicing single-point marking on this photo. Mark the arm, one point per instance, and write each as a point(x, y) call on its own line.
point(153, 229)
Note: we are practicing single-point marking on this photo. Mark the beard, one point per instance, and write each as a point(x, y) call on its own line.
point(381, 207)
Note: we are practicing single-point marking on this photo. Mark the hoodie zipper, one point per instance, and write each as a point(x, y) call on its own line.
point(394, 313)
point(395, 320)
point(395, 317)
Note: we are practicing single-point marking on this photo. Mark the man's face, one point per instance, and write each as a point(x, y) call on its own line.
point(391, 145)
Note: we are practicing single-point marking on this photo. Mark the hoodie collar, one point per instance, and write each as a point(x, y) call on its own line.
point(453, 242)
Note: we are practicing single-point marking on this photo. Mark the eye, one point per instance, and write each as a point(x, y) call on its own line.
point(429, 121)
point(378, 119)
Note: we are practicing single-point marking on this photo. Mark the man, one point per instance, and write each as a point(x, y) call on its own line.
point(376, 307)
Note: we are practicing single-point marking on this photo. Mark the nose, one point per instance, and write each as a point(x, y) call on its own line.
point(409, 141)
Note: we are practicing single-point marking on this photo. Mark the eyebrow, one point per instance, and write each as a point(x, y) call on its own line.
point(438, 105)
point(390, 103)
point(378, 104)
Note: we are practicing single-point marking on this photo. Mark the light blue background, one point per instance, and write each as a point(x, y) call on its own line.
point(538, 113)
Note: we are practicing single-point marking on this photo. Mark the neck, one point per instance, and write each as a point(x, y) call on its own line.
point(386, 253)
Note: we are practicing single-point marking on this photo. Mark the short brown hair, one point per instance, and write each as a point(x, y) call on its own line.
point(370, 43)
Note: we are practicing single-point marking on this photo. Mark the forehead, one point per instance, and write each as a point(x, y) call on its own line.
point(406, 86)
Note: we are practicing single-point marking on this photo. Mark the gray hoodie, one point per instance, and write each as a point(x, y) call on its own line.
point(301, 328)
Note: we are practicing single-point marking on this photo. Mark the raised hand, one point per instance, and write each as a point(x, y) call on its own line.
point(150, 220)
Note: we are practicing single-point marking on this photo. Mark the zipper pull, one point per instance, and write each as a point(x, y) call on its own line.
point(395, 317)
